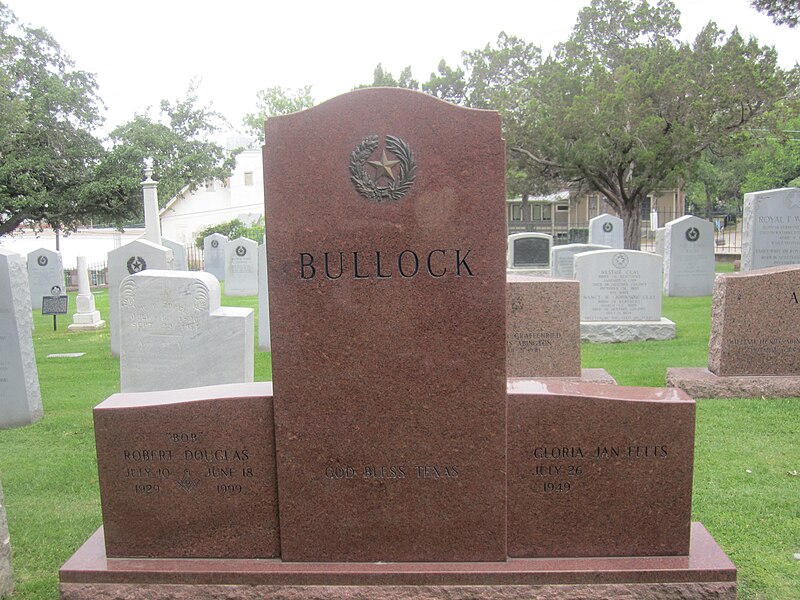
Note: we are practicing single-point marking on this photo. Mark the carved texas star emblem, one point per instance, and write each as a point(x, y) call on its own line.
point(693, 234)
point(620, 260)
point(608, 227)
point(215, 243)
point(136, 264)
point(398, 174)
point(241, 250)
point(42, 260)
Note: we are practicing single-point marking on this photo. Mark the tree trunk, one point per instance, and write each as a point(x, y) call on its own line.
point(632, 222)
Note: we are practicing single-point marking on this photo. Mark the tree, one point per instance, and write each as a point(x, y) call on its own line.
point(276, 101)
point(624, 108)
point(233, 229)
point(183, 152)
point(47, 112)
point(783, 12)
point(381, 78)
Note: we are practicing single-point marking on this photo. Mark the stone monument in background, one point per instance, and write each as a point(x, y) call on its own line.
point(689, 265)
point(607, 230)
point(86, 317)
point(45, 271)
point(562, 258)
point(20, 396)
point(214, 255)
point(174, 333)
point(529, 252)
point(241, 267)
point(621, 296)
point(264, 336)
point(754, 349)
point(771, 229)
point(179, 261)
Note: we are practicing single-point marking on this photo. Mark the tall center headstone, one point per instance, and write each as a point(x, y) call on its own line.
point(386, 243)
point(20, 396)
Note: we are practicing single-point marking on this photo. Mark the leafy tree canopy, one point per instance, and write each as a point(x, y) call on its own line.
point(783, 12)
point(381, 78)
point(47, 112)
point(183, 150)
point(276, 101)
point(233, 229)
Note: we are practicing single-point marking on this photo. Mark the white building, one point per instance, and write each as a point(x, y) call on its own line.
point(240, 196)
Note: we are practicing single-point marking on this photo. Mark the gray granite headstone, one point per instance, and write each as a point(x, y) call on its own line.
point(179, 261)
point(689, 257)
point(241, 267)
point(607, 230)
point(6, 573)
point(20, 396)
point(562, 258)
point(45, 270)
point(174, 334)
point(139, 255)
point(214, 255)
point(771, 229)
point(529, 250)
point(264, 343)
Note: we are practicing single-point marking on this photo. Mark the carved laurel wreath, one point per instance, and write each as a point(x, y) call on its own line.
point(370, 189)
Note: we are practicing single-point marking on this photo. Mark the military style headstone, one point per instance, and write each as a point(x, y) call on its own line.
point(20, 396)
point(134, 257)
point(543, 335)
point(383, 259)
point(264, 343)
point(607, 230)
point(6, 572)
point(179, 262)
point(86, 317)
point(660, 240)
point(562, 258)
point(529, 251)
point(174, 334)
point(45, 270)
point(241, 267)
point(771, 229)
point(214, 255)
point(754, 348)
point(621, 296)
point(689, 257)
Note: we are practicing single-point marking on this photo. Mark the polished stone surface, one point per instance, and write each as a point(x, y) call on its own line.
point(529, 250)
point(389, 359)
point(705, 573)
point(699, 382)
point(755, 323)
point(616, 482)
point(189, 473)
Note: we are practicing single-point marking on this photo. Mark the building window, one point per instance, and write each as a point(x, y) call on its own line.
point(646, 204)
point(515, 212)
point(547, 212)
point(248, 178)
point(562, 207)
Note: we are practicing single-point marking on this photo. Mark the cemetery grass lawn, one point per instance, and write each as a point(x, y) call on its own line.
point(49, 473)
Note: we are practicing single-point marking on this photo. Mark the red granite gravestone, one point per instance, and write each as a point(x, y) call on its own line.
point(386, 234)
point(598, 470)
point(189, 473)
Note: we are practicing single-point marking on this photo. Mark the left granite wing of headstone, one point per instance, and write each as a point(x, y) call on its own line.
point(20, 396)
point(174, 333)
point(189, 473)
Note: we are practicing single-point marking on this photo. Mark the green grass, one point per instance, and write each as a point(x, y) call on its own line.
point(746, 487)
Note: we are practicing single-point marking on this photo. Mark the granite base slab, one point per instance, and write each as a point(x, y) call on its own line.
point(586, 376)
point(702, 383)
point(706, 573)
point(608, 332)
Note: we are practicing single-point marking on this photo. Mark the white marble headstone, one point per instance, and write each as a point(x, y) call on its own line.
point(139, 255)
point(529, 251)
point(241, 267)
point(174, 334)
point(562, 258)
point(689, 257)
point(607, 230)
point(214, 255)
point(264, 343)
point(660, 233)
point(20, 396)
point(771, 229)
point(179, 261)
point(619, 285)
point(45, 270)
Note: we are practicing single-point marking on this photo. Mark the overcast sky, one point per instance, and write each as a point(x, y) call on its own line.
point(147, 50)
